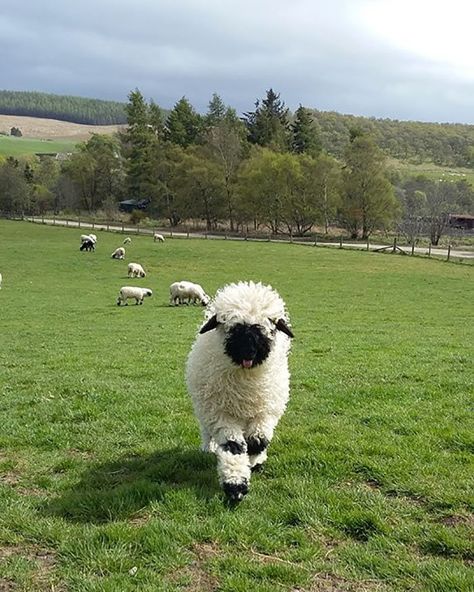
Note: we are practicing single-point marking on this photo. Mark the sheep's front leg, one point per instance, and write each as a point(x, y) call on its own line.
point(233, 464)
point(258, 436)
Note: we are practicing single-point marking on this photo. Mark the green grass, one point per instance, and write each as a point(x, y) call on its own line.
point(369, 480)
point(11, 146)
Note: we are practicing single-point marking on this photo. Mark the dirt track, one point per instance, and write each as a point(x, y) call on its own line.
point(34, 127)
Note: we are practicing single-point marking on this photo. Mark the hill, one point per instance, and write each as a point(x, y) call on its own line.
point(416, 142)
point(45, 135)
point(62, 107)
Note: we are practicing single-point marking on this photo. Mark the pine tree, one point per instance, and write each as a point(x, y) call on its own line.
point(184, 125)
point(305, 138)
point(268, 125)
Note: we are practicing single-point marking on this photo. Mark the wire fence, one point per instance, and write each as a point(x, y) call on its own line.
point(448, 253)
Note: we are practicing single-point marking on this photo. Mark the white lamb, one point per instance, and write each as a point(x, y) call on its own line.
point(238, 378)
point(127, 240)
point(132, 292)
point(158, 237)
point(119, 253)
point(187, 293)
point(136, 270)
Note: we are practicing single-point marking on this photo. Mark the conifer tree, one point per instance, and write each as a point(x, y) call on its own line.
point(184, 125)
point(305, 138)
point(268, 125)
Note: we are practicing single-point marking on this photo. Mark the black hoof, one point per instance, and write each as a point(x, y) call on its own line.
point(258, 468)
point(235, 492)
point(256, 444)
point(233, 447)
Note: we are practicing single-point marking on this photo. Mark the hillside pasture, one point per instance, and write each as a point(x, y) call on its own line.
point(11, 146)
point(369, 483)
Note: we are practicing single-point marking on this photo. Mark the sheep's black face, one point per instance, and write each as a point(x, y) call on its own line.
point(247, 345)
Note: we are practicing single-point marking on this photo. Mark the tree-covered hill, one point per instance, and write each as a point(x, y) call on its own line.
point(444, 144)
point(62, 107)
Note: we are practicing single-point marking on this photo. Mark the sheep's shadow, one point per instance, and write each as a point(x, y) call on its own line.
point(118, 490)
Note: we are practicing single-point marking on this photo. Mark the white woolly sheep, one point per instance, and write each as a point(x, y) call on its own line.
point(127, 240)
point(86, 237)
point(118, 253)
point(187, 293)
point(136, 270)
point(132, 292)
point(158, 237)
point(238, 378)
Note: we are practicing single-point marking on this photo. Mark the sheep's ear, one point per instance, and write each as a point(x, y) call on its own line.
point(282, 326)
point(211, 324)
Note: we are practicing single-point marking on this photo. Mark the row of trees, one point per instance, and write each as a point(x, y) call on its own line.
point(442, 144)
point(266, 170)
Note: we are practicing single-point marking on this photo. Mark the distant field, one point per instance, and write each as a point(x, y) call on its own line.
point(36, 127)
point(433, 171)
point(369, 483)
point(10, 146)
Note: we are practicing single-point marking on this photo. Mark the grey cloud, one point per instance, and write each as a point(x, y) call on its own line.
point(312, 52)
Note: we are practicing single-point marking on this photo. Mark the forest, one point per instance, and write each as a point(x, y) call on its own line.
point(64, 108)
point(267, 171)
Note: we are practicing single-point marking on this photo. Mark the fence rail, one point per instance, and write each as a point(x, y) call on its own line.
point(123, 228)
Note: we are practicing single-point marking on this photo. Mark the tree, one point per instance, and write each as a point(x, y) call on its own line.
point(368, 201)
point(216, 111)
point(267, 183)
point(268, 125)
point(14, 190)
point(224, 139)
point(322, 187)
point(305, 137)
point(183, 125)
point(139, 141)
point(199, 188)
point(97, 171)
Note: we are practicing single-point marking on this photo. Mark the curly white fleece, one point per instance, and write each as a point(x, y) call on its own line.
point(231, 402)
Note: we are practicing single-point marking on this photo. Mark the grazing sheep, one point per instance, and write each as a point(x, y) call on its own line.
point(87, 245)
point(138, 294)
point(136, 270)
point(238, 378)
point(187, 293)
point(119, 253)
point(127, 240)
point(87, 237)
point(158, 237)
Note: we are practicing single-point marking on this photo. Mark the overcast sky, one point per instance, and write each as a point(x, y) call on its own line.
point(404, 59)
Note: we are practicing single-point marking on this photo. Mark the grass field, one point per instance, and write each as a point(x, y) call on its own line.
point(11, 146)
point(369, 483)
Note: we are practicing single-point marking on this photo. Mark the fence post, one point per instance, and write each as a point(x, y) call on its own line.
point(42, 218)
point(246, 236)
point(315, 242)
point(394, 245)
point(138, 228)
point(187, 233)
point(67, 222)
point(54, 220)
point(429, 251)
point(413, 248)
point(340, 242)
point(171, 234)
point(368, 244)
point(107, 227)
point(449, 252)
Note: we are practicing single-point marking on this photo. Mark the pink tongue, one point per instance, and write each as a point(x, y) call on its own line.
point(247, 363)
